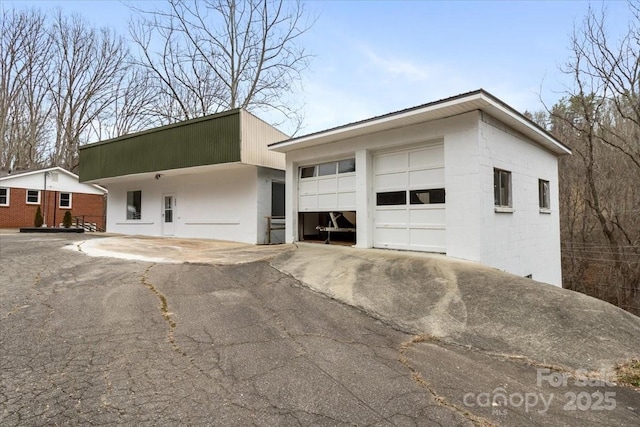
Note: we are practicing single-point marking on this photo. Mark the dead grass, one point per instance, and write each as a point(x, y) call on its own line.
point(628, 373)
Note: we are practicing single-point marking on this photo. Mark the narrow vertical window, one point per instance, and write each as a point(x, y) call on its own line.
point(134, 204)
point(502, 188)
point(544, 197)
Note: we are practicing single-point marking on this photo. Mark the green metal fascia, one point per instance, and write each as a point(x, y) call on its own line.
point(208, 140)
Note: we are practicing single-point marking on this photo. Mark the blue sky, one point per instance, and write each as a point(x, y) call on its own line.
point(374, 57)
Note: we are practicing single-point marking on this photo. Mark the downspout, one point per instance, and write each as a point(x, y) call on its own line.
point(44, 200)
point(55, 207)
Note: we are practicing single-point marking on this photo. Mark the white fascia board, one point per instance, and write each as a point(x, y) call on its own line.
point(479, 100)
point(53, 169)
point(523, 125)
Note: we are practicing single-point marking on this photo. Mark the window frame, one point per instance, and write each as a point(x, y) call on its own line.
point(60, 200)
point(382, 198)
point(319, 174)
point(27, 197)
point(414, 198)
point(544, 195)
point(7, 196)
point(498, 185)
point(131, 216)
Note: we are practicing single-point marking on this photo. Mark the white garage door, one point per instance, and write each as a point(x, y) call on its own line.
point(410, 199)
point(327, 187)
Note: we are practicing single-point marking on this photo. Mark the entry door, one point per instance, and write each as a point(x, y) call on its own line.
point(168, 214)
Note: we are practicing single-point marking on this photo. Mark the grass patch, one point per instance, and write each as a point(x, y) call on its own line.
point(629, 372)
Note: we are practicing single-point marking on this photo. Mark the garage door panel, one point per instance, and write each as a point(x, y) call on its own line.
point(327, 201)
point(390, 162)
point(308, 202)
point(327, 184)
point(347, 182)
point(387, 237)
point(308, 187)
point(392, 216)
point(327, 187)
point(429, 157)
point(391, 181)
point(428, 238)
point(347, 200)
point(427, 216)
point(427, 178)
point(406, 226)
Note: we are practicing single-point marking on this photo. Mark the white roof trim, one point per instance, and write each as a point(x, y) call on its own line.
point(478, 100)
point(57, 169)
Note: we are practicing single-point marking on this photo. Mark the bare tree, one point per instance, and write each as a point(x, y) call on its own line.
point(600, 190)
point(133, 108)
point(24, 60)
point(88, 65)
point(213, 55)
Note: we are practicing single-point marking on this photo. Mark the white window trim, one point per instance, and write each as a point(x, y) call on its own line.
point(27, 197)
point(547, 200)
point(60, 200)
point(504, 208)
point(8, 190)
point(132, 220)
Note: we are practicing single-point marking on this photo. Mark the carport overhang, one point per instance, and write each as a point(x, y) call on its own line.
point(479, 100)
point(165, 173)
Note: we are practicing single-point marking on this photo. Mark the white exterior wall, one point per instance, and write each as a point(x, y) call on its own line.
point(218, 204)
point(460, 134)
point(56, 181)
point(525, 241)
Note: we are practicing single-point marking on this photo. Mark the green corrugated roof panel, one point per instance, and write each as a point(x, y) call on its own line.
point(204, 141)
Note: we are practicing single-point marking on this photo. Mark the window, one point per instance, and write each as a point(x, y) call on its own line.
point(329, 168)
point(277, 199)
point(502, 188)
point(346, 166)
point(543, 194)
point(134, 204)
point(65, 200)
point(33, 197)
point(4, 196)
point(426, 197)
point(308, 172)
point(390, 198)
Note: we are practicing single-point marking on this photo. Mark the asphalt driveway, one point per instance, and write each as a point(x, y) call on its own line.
point(100, 340)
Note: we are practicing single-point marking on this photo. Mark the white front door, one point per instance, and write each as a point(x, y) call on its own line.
point(168, 214)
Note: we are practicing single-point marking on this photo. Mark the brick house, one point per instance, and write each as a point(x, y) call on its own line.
point(56, 191)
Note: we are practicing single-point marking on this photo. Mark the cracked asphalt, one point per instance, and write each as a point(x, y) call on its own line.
point(99, 340)
point(104, 341)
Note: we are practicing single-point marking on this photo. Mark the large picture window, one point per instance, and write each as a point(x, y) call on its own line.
point(134, 204)
point(502, 188)
point(4, 197)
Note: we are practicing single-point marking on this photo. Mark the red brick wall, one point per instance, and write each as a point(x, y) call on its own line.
point(20, 214)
